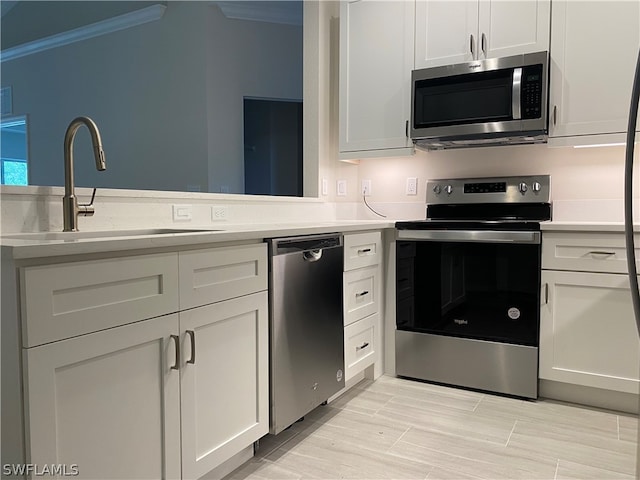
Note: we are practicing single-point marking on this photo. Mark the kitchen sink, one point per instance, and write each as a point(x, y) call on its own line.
point(102, 234)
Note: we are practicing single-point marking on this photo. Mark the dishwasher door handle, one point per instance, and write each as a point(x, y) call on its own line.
point(312, 255)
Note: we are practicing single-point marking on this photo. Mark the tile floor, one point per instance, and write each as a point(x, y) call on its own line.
point(401, 429)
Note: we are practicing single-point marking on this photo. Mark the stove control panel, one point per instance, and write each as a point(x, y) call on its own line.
point(526, 189)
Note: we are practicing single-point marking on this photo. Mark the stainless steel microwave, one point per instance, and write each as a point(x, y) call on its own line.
point(498, 101)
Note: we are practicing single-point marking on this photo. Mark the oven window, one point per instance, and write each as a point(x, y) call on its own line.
point(473, 290)
point(474, 98)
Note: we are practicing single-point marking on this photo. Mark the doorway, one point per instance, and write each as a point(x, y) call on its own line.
point(273, 147)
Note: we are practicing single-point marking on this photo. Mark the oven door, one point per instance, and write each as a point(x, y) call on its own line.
point(482, 285)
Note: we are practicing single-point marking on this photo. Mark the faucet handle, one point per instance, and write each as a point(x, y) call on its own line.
point(87, 209)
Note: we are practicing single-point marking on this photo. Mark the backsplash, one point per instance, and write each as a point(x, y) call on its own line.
point(586, 183)
point(32, 209)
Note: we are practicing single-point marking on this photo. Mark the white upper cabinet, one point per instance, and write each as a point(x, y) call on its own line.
point(446, 32)
point(449, 32)
point(593, 54)
point(376, 59)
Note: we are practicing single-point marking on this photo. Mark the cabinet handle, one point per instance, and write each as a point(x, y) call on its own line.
point(362, 347)
point(176, 340)
point(483, 43)
point(364, 250)
point(555, 115)
point(471, 46)
point(546, 293)
point(406, 128)
point(192, 334)
point(601, 252)
point(362, 294)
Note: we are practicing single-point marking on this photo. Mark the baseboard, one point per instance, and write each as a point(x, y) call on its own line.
point(230, 465)
point(593, 397)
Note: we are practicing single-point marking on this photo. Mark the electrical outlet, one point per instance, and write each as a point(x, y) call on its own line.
point(219, 213)
point(412, 186)
point(342, 188)
point(365, 188)
point(325, 186)
point(182, 213)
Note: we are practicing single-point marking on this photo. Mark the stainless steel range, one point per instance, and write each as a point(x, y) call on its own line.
point(468, 284)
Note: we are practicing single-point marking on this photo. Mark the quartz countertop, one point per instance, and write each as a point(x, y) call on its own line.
point(555, 226)
point(36, 247)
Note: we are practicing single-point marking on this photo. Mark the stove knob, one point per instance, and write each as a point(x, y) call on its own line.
point(536, 187)
point(522, 188)
point(448, 189)
point(437, 189)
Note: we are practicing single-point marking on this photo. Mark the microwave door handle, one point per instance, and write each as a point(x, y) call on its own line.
point(516, 93)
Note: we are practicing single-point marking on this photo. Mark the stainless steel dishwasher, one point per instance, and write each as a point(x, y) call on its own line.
point(306, 327)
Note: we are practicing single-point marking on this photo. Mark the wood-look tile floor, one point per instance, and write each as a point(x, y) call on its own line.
point(401, 429)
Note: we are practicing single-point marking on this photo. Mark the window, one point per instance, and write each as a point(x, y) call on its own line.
point(13, 151)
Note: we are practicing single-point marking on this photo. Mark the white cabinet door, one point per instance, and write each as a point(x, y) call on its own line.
point(107, 402)
point(453, 32)
point(594, 46)
point(513, 27)
point(446, 32)
point(376, 58)
point(587, 331)
point(224, 381)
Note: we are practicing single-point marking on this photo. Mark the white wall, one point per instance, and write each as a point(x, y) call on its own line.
point(167, 97)
point(265, 61)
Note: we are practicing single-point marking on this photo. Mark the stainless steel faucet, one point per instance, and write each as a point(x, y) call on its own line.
point(70, 207)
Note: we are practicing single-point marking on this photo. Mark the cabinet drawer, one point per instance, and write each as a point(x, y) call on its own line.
point(65, 300)
point(361, 294)
point(215, 274)
point(362, 250)
point(586, 252)
point(359, 345)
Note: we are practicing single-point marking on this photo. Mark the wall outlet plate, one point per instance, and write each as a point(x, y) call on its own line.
point(365, 188)
point(342, 188)
point(219, 213)
point(182, 213)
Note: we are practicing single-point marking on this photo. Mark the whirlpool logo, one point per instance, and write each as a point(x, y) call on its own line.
point(460, 321)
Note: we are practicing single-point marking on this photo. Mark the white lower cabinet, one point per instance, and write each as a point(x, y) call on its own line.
point(361, 302)
point(587, 331)
point(107, 403)
point(173, 396)
point(224, 381)
point(360, 347)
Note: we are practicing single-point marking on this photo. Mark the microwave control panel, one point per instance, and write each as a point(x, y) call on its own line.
point(531, 97)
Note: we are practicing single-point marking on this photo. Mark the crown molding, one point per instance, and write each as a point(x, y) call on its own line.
point(286, 12)
point(120, 22)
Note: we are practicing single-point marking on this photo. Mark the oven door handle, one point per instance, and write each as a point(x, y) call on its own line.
point(485, 236)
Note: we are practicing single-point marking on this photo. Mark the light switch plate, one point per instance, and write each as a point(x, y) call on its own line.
point(412, 186)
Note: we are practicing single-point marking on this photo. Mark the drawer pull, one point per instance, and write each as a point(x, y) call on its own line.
point(364, 250)
point(176, 340)
point(601, 253)
point(362, 294)
point(362, 347)
point(192, 334)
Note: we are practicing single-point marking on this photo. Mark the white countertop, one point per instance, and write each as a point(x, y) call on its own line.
point(36, 247)
point(554, 226)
